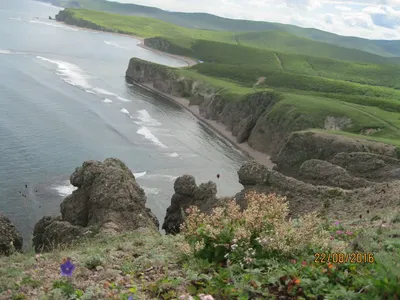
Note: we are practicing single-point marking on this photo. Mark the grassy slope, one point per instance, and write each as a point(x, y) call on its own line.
point(150, 266)
point(272, 40)
point(207, 21)
point(313, 87)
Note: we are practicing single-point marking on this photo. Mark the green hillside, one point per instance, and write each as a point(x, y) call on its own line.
point(212, 22)
point(313, 88)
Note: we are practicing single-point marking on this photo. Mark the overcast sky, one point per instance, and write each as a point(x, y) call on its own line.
point(373, 19)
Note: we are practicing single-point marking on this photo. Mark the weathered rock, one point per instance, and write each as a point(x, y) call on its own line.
point(252, 173)
point(303, 146)
point(187, 194)
point(371, 166)
point(52, 232)
point(108, 199)
point(320, 172)
point(10, 239)
point(332, 201)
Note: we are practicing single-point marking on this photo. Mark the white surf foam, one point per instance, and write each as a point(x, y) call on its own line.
point(65, 189)
point(123, 99)
point(144, 131)
point(141, 174)
point(173, 154)
point(163, 177)
point(107, 101)
point(90, 92)
point(70, 73)
point(146, 119)
point(103, 91)
point(16, 18)
point(53, 25)
point(5, 51)
point(114, 44)
point(125, 111)
point(152, 191)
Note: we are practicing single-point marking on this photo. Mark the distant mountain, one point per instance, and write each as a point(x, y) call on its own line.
point(212, 22)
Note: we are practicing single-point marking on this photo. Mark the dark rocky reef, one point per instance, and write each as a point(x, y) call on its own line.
point(10, 239)
point(187, 194)
point(108, 199)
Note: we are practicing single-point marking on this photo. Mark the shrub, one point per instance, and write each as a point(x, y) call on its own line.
point(263, 230)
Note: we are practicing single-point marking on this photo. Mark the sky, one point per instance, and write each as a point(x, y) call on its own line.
point(372, 19)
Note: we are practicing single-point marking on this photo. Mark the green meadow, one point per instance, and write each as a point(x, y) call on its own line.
point(317, 80)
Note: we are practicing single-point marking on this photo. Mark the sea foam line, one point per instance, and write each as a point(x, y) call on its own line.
point(144, 131)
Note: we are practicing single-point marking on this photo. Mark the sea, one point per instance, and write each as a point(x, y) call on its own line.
point(64, 100)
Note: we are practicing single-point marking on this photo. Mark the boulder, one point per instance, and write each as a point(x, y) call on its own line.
point(320, 172)
point(10, 238)
point(108, 198)
point(187, 194)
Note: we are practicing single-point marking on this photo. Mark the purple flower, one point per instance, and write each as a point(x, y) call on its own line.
point(339, 232)
point(349, 232)
point(67, 267)
point(130, 297)
point(337, 223)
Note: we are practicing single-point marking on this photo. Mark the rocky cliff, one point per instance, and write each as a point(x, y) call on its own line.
point(259, 119)
point(108, 200)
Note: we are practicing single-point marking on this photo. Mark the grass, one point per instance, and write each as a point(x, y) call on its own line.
point(285, 38)
point(147, 265)
point(314, 88)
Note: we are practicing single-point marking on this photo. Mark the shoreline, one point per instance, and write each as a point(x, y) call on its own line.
point(213, 125)
point(189, 61)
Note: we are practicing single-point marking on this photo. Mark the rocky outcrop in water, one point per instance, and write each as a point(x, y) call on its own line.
point(187, 194)
point(10, 238)
point(108, 199)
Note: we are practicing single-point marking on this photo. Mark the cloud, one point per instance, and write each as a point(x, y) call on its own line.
point(384, 16)
point(373, 19)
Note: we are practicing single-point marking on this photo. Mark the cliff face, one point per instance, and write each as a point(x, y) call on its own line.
point(247, 119)
point(259, 119)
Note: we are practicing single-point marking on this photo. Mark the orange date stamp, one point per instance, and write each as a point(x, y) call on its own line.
point(342, 258)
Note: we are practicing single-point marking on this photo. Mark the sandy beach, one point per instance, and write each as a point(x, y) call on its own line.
point(217, 127)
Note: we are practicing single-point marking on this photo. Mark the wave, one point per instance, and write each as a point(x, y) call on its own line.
point(152, 191)
point(70, 73)
point(144, 131)
point(161, 176)
point(115, 45)
point(65, 189)
point(141, 174)
point(173, 154)
point(107, 101)
point(145, 118)
point(90, 92)
point(125, 111)
point(123, 99)
point(104, 92)
point(53, 25)
point(5, 51)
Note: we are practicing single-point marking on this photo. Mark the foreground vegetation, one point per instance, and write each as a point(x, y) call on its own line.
point(259, 253)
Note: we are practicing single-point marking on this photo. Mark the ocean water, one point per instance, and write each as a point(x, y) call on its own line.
point(64, 100)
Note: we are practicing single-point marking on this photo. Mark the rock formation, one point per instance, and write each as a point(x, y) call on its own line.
point(108, 199)
point(305, 197)
point(187, 193)
point(10, 239)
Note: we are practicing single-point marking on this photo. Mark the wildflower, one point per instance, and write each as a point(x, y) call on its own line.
point(339, 232)
point(332, 238)
point(67, 267)
point(293, 261)
point(186, 297)
point(206, 297)
point(331, 266)
point(304, 263)
point(130, 297)
point(337, 223)
point(296, 281)
point(188, 211)
point(349, 232)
